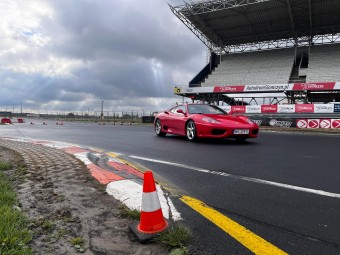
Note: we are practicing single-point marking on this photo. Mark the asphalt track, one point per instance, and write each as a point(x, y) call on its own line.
point(283, 188)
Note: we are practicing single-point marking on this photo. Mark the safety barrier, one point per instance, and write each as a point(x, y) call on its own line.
point(311, 123)
point(6, 121)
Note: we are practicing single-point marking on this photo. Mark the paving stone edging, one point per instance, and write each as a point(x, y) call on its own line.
point(57, 183)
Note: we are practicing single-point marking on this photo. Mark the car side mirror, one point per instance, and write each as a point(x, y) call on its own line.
point(180, 111)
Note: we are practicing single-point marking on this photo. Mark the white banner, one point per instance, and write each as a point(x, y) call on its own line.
point(253, 109)
point(266, 87)
point(323, 108)
point(227, 108)
point(286, 108)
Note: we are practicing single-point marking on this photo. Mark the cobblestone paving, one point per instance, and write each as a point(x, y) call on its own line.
point(64, 202)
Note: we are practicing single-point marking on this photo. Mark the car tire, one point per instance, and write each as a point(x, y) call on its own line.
point(158, 128)
point(190, 131)
point(241, 139)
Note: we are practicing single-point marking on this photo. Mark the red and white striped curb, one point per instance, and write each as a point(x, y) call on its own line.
point(128, 191)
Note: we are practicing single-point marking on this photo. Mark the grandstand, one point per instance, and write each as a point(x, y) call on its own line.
point(262, 67)
point(324, 63)
point(279, 48)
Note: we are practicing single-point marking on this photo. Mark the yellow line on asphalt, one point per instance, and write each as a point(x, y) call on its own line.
point(111, 154)
point(115, 155)
point(247, 238)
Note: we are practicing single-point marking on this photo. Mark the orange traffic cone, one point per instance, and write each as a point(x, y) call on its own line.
point(152, 221)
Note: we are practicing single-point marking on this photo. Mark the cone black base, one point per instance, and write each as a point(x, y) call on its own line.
point(143, 237)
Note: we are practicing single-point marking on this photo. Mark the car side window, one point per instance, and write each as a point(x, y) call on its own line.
point(173, 110)
point(180, 107)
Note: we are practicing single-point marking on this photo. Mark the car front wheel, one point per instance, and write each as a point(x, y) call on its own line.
point(158, 128)
point(191, 130)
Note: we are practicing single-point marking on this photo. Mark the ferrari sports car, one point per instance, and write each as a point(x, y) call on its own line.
point(204, 121)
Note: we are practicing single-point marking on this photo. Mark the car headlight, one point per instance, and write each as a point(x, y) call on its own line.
point(210, 120)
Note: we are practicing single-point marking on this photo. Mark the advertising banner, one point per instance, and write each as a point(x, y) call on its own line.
point(314, 86)
point(269, 108)
point(301, 123)
point(336, 107)
point(253, 109)
point(304, 108)
point(323, 108)
point(335, 123)
point(325, 123)
point(260, 122)
point(229, 89)
point(266, 87)
point(286, 108)
point(313, 123)
point(226, 108)
point(282, 122)
point(238, 109)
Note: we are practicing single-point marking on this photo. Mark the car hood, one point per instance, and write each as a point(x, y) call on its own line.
point(229, 119)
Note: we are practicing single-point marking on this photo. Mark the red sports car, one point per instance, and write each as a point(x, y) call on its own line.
point(204, 121)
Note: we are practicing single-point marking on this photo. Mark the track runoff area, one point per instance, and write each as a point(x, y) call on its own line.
point(298, 77)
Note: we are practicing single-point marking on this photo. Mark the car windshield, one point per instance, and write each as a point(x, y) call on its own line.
point(204, 109)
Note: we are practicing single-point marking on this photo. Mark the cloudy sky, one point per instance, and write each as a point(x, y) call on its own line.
point(70, 55)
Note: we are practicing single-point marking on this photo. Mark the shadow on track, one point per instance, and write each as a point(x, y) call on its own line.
point(225, 141)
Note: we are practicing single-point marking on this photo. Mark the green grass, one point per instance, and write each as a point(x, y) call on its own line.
point(7, 195)
point(77, 241)
point(175, 237)
point(14, 225)
point(126, 212)
point(5, 166)
point(47, 225)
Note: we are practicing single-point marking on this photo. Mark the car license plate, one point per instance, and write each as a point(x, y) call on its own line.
point(241, 131)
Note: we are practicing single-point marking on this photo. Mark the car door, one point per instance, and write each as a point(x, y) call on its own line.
point(178, 119)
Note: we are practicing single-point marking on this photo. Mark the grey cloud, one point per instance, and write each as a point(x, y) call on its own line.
point(127, 50)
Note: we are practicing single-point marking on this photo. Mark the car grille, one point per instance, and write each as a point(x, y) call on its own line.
point(218, 131)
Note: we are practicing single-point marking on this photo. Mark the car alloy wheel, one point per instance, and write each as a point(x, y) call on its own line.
point(191, 130)
point(158, 128)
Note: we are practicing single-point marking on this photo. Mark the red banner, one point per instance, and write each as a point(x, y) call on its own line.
point(269, 108)
point(313, 123)
point(304, 108)
point(228, 89)
point(335, 123)
point(238, 109)
point(314, 86)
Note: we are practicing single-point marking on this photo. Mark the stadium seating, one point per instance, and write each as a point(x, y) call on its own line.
point(324, 63)
point(263, 67)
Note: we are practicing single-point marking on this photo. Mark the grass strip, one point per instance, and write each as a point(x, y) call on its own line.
point(14, 225)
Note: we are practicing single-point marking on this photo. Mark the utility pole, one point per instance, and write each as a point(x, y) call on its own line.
point(102, 112)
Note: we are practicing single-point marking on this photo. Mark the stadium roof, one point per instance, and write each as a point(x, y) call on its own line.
point(225, 24)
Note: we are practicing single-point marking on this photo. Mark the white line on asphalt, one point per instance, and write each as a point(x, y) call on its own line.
point(249, 179)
